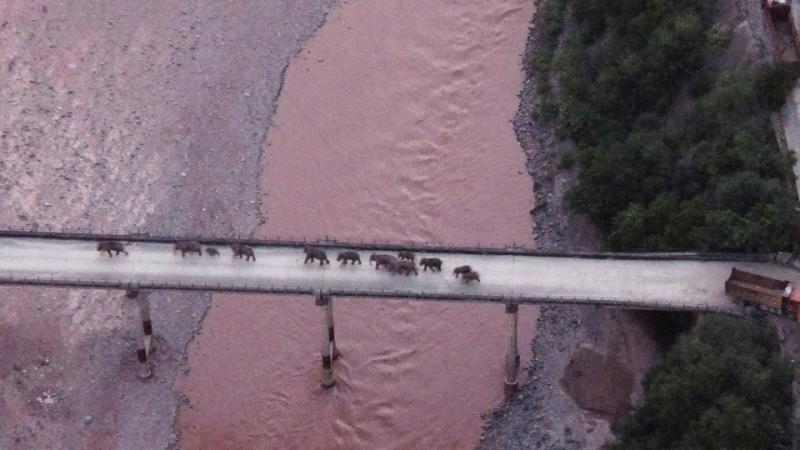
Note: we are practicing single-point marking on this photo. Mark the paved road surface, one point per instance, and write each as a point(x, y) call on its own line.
point(648, 284)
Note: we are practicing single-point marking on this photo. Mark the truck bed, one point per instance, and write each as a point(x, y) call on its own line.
point(750, 287)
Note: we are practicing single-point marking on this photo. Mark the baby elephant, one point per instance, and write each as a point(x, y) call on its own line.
point(406, 255)
point(189, 247)
point(470, 276)
point(240, 250)
point(460, 270)
point(211, 251)
point(111, 246)
point(433, 263)
point(353, 257)
point(403, 266)
point(313, 253)
point(382, 260)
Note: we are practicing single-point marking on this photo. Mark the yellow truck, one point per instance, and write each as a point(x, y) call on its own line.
point(776, 296)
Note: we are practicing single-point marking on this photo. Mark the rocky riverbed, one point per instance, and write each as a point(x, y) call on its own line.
point(588, 362)
point(118, 116)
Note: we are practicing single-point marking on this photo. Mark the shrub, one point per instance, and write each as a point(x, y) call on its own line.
point(567, 161)
point(718, 36)
point(727, 386)
point(718, 166)
point(773, 84)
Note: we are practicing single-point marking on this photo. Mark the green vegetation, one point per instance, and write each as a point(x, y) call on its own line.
point(727, 387)
point(718, 36)
point(675, 154)
point(541, 62)
point(671, 155)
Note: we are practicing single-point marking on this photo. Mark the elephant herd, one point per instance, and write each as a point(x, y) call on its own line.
point(404, 263)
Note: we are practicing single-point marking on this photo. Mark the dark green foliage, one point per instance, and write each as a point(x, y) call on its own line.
point(718, 36)
point(773, 83)
point(539, 65)
point(725, 387)
point(567, 161)
point(665, 327)
point(552, 23)
point(710, 178)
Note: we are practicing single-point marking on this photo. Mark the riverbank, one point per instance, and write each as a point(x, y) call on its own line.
point(588, 362)
point(393, 124)
point(120, 116)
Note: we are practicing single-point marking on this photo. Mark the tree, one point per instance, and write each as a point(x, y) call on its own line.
point(712, 155)
point(773, 84)
point(726, 387)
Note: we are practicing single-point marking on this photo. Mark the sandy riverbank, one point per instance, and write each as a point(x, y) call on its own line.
point(120, 116)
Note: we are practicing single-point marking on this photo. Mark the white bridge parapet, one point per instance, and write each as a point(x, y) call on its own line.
point(667, 284)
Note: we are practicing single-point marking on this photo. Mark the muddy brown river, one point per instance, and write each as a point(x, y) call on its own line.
point(393, 124)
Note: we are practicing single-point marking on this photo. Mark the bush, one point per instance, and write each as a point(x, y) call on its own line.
point(773, 84)
point(714, 179)
point(539, 65)
point(726, 387)
point(567, 161)
point(718, 36)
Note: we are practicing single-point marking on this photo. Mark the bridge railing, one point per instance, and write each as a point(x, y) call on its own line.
point(663, 305)
point(376, 245)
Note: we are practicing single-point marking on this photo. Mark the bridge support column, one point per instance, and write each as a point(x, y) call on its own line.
point(512, 357)
point(145, 327)
point(329, 351)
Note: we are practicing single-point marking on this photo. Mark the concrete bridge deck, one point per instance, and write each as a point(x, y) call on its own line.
point(666, 283)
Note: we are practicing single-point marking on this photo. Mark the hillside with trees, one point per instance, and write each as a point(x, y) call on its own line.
point(726, 386)
point(671, 155)
point(674, 153)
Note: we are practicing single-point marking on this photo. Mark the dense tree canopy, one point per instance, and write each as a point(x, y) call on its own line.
point(671, 155)
point(725, 387)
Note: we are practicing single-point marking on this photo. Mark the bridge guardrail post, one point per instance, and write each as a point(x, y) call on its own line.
point(512, 357)
point(328, 342)
point(145, 331)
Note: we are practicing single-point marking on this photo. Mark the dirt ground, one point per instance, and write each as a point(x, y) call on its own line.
point(120, 116)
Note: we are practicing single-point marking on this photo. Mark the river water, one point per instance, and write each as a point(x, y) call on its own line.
point(393, 124)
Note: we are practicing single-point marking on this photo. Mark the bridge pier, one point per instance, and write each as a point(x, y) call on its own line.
point(145, 327)
point(512, 356)
point(329, 351)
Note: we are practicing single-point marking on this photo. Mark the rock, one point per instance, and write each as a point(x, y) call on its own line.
point(87, 420)
point(781, 334)
point(47, 399)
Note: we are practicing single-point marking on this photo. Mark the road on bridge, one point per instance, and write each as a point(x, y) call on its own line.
point(683, 284)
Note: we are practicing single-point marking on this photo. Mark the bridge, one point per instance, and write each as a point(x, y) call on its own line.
point(509, 276)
